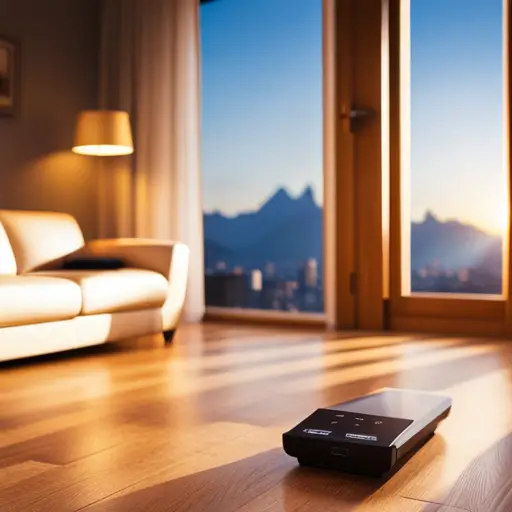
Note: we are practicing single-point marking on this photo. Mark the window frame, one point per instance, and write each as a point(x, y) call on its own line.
point(338, 310)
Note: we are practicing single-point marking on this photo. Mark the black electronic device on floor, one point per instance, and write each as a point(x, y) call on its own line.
point(368, 435)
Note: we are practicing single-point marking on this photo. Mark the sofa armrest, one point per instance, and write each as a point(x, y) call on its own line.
point(171, 259)
point(166, 258)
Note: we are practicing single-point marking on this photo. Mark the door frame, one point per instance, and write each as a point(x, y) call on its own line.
point(355, 183)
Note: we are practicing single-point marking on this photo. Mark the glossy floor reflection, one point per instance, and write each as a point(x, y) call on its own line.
point(197, 425)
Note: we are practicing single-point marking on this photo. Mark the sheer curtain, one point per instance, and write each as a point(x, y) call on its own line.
point(150, 66)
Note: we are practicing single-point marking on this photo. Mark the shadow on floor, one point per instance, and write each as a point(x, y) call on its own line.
point(264, 482)
point(270, 480)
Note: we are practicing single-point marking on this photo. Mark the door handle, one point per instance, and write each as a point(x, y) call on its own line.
point(356, 116)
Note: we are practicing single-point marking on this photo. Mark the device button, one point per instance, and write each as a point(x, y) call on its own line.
point(360, 419)
point(378, 423)
point(340, 415)
point(334, 422)
point(357, 425)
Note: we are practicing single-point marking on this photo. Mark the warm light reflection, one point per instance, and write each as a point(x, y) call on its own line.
point(338, 375)
point(449, 454)
point(103, 150)
point(500, 218)
point(331, 370)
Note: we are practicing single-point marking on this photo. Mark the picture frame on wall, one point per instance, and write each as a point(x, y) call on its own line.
point(9, 65)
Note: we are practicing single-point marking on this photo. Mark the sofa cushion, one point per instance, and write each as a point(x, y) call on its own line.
point(40, 239)
point(31, 300)
point(7, 260)
point(107, 291)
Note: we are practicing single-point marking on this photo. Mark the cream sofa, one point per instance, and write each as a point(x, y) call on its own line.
point(44, 308)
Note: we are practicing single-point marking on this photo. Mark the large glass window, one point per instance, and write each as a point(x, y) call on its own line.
point(262, 154)
point(454, 185)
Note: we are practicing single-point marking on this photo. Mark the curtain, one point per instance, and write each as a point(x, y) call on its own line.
point(150, 67)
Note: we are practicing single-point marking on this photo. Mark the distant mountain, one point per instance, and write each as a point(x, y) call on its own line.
point(215, 252)
point(245, 228)
point(287, 231)
point(452, 245)
point(288, 243)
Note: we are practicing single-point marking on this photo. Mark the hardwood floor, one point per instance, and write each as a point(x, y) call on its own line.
point(196, 426)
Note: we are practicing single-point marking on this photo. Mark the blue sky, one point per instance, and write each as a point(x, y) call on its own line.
point(262, 105)
point(457, 104)
point(262, 100)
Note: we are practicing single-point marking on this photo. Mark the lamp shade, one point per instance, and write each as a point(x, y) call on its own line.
point(103, 133)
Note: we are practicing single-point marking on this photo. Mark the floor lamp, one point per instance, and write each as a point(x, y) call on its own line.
point(103, 133)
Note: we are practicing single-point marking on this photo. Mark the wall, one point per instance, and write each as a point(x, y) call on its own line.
point(59, 77)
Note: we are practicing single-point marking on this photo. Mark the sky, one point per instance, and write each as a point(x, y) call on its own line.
point(457, 111)
point(262, 105)
point(262, 100)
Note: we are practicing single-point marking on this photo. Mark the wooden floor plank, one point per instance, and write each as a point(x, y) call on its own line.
point(104, 473)
point(12, 475)
point(197, 425)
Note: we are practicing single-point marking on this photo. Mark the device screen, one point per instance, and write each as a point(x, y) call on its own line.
point(411, 405)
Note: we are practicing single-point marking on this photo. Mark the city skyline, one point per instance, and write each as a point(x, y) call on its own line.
point(262, 115)
point(445, 257)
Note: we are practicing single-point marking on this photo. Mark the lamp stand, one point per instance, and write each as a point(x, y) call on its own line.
point(102, 199)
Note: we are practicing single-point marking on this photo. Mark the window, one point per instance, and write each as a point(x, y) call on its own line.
point(454, 182)
point(262, 154)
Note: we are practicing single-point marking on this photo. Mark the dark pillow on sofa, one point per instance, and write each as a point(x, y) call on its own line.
point(93, 263)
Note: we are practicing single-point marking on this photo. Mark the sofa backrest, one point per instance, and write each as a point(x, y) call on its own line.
point(7, 260)
point(40, 239)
